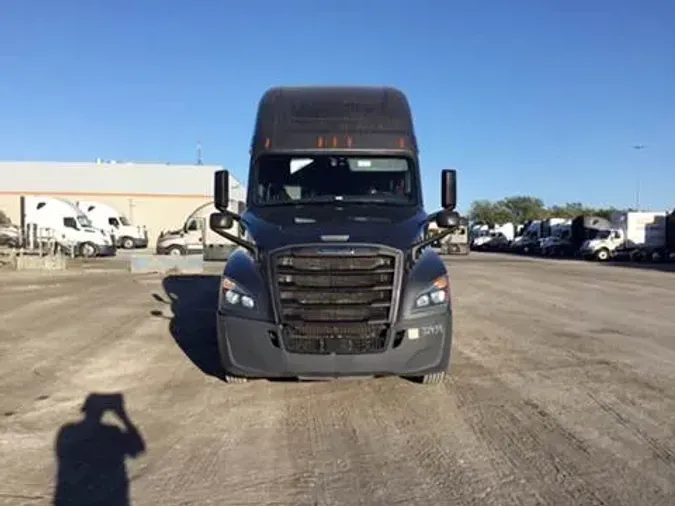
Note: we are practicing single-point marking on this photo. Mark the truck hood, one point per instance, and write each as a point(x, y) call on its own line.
point(592, 243)
point(170, 234)
point(273, 228)
point(9, 230)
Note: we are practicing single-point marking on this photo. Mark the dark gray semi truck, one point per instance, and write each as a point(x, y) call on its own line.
point(333, 275)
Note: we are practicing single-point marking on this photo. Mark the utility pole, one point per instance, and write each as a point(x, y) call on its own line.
point(637, 147)
point(199, 153)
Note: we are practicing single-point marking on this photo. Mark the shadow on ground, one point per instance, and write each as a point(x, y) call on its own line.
point(92, 454)
point(193, 300)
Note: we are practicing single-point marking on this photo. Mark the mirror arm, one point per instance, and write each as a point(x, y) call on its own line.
point(238, 241)
point(234, 215)
point(428, 240)
point(432, 217)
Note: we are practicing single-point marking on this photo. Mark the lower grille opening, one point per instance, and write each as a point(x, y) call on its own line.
point(274, 339)
point(398, 339)
point(337, 339)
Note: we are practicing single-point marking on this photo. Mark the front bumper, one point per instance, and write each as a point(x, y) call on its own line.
point(140, 242)
point(247, 348)
point(587, 253)
point(107, 251)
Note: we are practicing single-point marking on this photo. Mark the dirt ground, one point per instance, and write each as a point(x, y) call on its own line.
point(562, 391)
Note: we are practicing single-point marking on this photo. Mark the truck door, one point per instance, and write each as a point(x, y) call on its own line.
point(194, 235)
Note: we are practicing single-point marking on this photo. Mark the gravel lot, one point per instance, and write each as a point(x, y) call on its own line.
point(562, 392)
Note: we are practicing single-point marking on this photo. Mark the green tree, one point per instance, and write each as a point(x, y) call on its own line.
point(605, 212)
point(487, 212)
point(524, 208)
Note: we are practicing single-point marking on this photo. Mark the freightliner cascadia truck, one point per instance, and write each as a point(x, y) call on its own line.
point(334, 275)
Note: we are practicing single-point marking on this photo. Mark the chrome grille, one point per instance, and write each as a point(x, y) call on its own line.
point(335, 299)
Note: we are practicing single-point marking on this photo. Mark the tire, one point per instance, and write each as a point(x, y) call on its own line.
point(435, 378)
point(602, 255)
point(234, 379)
point(175, 251)
point(127, 243)
point(88, 250)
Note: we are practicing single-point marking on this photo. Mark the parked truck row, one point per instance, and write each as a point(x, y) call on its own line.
point(81, 228)
point(89, 228)
point(626, 235)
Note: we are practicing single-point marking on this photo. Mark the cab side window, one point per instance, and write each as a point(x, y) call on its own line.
point(192, 226)
point(70, 223)
point(113, 222)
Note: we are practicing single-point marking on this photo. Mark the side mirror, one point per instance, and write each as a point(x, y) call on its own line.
point(449, 189)
point(447, 219)
point(220, 221)
point(221, 190)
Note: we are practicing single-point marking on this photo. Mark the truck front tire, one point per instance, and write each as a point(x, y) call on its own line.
point(175, 251)
point(602, 255)
point(234, 379)
point(435, 378)
point(127, 243)
point(88, 250)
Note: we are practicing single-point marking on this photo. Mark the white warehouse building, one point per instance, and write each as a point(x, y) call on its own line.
point(158, 196)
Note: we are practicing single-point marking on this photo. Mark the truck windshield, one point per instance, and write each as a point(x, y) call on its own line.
point(124, 221)
point(288, 179)
point(83, 221)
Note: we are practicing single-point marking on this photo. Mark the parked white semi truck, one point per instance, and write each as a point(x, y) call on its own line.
point(630, 232)
point(45, 219)
point(105, 217)
point(195, 237)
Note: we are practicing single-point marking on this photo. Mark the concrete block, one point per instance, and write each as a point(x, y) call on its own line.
point(189, 264)
point(41, 263)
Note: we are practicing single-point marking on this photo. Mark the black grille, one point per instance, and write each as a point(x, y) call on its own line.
point(340, 302)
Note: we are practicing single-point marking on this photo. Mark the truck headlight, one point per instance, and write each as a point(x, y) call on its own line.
point(437, 294)
point(235, 295)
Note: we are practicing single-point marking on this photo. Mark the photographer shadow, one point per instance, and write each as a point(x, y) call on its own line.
point(92, 455)
point(193, 299)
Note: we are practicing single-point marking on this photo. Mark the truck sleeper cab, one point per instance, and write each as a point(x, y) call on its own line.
point(334, 276)
point(126, 235)
point(52, 218)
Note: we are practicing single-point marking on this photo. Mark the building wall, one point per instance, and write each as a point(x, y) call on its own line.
point(157, 196)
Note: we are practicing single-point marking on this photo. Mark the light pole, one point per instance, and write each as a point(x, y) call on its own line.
point(637, 147)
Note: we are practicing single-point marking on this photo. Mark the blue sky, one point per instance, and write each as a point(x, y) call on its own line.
point(540, 97)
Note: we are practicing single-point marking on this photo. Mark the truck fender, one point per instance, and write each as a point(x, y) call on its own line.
point(428, 267)
point(242, 268)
